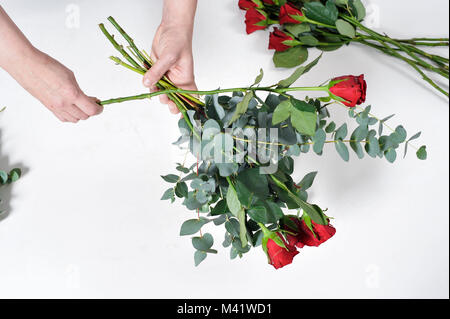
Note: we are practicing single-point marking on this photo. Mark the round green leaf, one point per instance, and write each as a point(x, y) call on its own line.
point(192, 226)
point(422, 153)
point(203, 243)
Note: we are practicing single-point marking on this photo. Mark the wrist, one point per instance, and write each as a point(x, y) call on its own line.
point(180, 15)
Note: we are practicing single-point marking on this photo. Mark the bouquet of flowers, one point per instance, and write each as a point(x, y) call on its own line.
point(330, 24)
point(244, 146)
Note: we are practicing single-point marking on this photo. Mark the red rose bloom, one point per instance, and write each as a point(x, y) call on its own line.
point(280, 256)
point(287, 11)
point(255, 20)
point(293, 240)
point(269, 2)
point(247, 4)
point(277, 38)
point(352, 89)
point(305, 237)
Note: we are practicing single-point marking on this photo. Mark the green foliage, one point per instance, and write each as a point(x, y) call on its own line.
point(237, 194)
point(330, 24)
point(327, 14)
point(345, 28)
point(298, 73)
point(242, 179)
point(8, 178)
point(291, 58)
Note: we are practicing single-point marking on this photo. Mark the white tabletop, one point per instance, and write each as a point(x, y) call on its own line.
point(86, 219)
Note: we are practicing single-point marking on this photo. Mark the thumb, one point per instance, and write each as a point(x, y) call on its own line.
point(158, 70)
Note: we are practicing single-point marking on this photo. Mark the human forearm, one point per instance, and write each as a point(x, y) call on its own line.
point(15, 49)
point(46, 79)
point(172, 48)
point(180, 13)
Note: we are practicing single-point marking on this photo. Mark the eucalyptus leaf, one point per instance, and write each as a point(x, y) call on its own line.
point(193, 226)
point(199, 256)
point(342, 150)
point(171, 178)
point(203, 243)
point(233, 201)
point(422, 153)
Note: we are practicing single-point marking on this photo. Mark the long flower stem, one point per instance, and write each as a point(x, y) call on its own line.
point(129, 40)
point(144, 64)
point(441, 72)
point(424, 39)
point(384, 40)
point(439, 60)
point(212, 92)
point(119, 47)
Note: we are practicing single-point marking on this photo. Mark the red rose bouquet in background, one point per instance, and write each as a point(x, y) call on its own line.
point(243, 144)
point(330, 24)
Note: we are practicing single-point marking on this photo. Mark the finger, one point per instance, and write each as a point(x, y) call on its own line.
point(89, 105)
point(60, 117)
point(158, 70)
point(164, 99)
point(76, 112)
point(68, 117)
point(190, 87)
point(173, 108)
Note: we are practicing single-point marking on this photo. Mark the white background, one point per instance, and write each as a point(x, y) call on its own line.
point(86, 219)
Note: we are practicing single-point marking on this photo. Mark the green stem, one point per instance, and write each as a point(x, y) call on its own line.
point(305, 19)
point(120, 48)
point(126, 65)
point(382, 40)
point(441, 72)
point(212, 92)
point(426, 39)
point(385, 39)
point(439, 60)
point(129, 40)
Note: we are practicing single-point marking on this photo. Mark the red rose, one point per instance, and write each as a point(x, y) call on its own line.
point(280, 256)
point(255, 20)
point(293, 240)
point(286, 13)
point(304, 235)
point(352, 89)
point(277, 38)
point(269, 2)
point(247, 4)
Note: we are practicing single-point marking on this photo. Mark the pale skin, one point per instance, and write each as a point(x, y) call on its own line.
point(43, 77)
point(172, 48)
point(55, 86)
